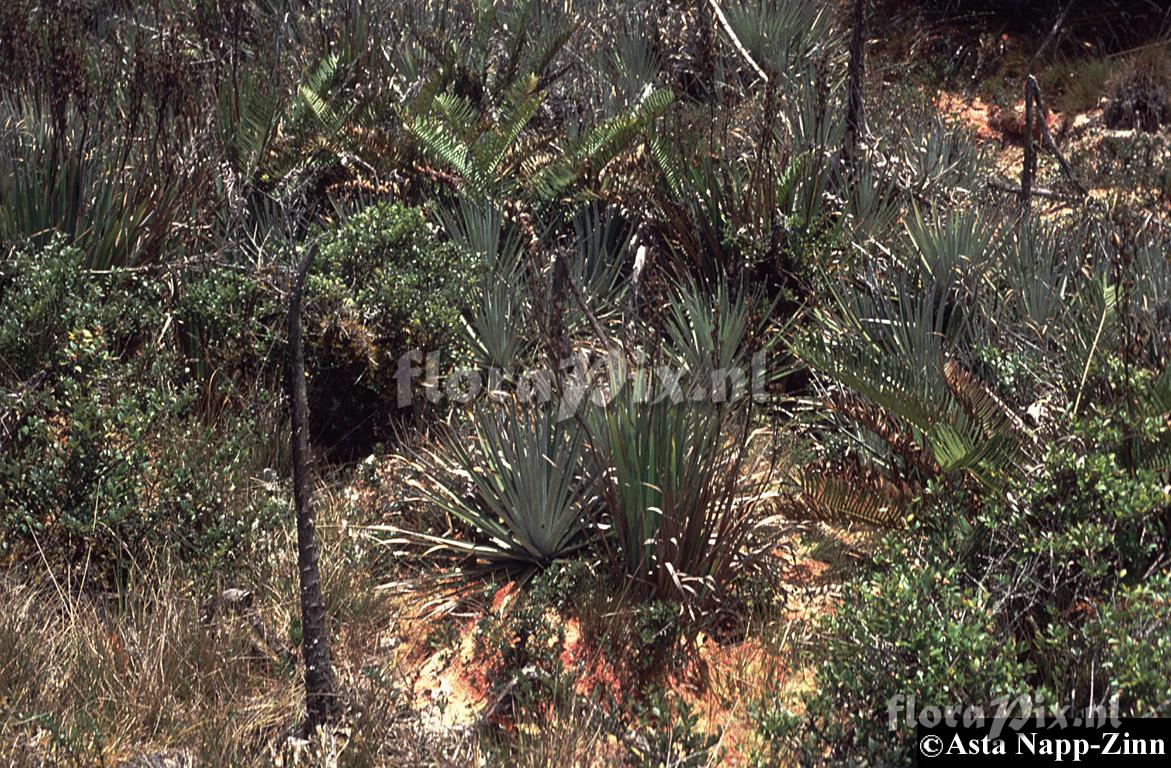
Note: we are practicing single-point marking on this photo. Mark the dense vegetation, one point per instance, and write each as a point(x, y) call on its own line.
point(618, 315)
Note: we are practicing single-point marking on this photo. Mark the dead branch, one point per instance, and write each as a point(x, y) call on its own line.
point(1035, 114)
point(1048, 194)
point(739, 46)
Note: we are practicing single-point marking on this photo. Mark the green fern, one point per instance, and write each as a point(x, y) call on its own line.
point(597, 146)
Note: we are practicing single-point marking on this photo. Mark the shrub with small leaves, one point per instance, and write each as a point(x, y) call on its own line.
point(1015, 597)
point(382, 285)
point(106, 448)
point(1139, 95)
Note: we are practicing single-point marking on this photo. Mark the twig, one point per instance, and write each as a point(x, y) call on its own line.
point(492, 709)
point(16, 411)
point(581, 302)
point(1050, 144)
point(1081, 387)
point(1035, 114)
point(855, 120)
point(1048, 194)
point(1053, 32)
point(736, 40)
point(1029, 166)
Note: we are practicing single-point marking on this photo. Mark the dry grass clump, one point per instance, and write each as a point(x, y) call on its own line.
point(97, 680)
point(1139, 95)
point(163, 673)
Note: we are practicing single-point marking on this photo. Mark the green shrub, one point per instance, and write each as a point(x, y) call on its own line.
point(382, 285)
point(385, 269)
point(109, 468)
point(228, 325)
point(529, 637)
point(1133, 631)
point(1017, 597)
point(668, 734)
point(1139, 95)
point(107, 448)
point(45, 293)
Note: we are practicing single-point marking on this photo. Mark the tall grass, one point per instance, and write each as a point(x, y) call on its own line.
point(159, 668)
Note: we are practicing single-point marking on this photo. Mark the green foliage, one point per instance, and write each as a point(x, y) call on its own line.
point(727, 217)
point(708, 332)
point(382, 286)
point(66, 177)
point(929, 354)
point(587, 153)
point(1009, 599)
point(385, 269)
point(227, 327)
point(105, 454)
point(517, 486)
point(46, 294)
point(497, 326)
point(529, 633)
point(1132, 632)
point(783, 38)
point(671, 481)
point(668, 734)
point(480, 158)
point(493, 161)
point(41, 292)
point(608, 177)
point(475, 111)
point(1139, 94)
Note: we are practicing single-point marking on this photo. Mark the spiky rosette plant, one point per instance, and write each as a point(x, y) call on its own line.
point(513, 484)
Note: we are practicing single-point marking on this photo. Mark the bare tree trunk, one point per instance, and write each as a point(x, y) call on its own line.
point(855, 118)
point(1029, 166)
point(321, 701)
point(559, 347)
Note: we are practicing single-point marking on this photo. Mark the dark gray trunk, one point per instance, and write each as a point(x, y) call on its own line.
point(1029, 167)
point(558, 338)
point(321, 702)
point(855, 118)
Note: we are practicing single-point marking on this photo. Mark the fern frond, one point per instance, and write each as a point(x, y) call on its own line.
point(599, 144)
point(880, 424)
point(1157, 399)
point(841, 495)
point(668, 163)
point(939, 424)
point(438, 141)
point(459, 114)
point(313, 91)
point(329, 121)
point(1155, 455)
point(982, 403)
point(520, 104)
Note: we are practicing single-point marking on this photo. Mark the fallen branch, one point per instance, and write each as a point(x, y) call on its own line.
point(1048, 194)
